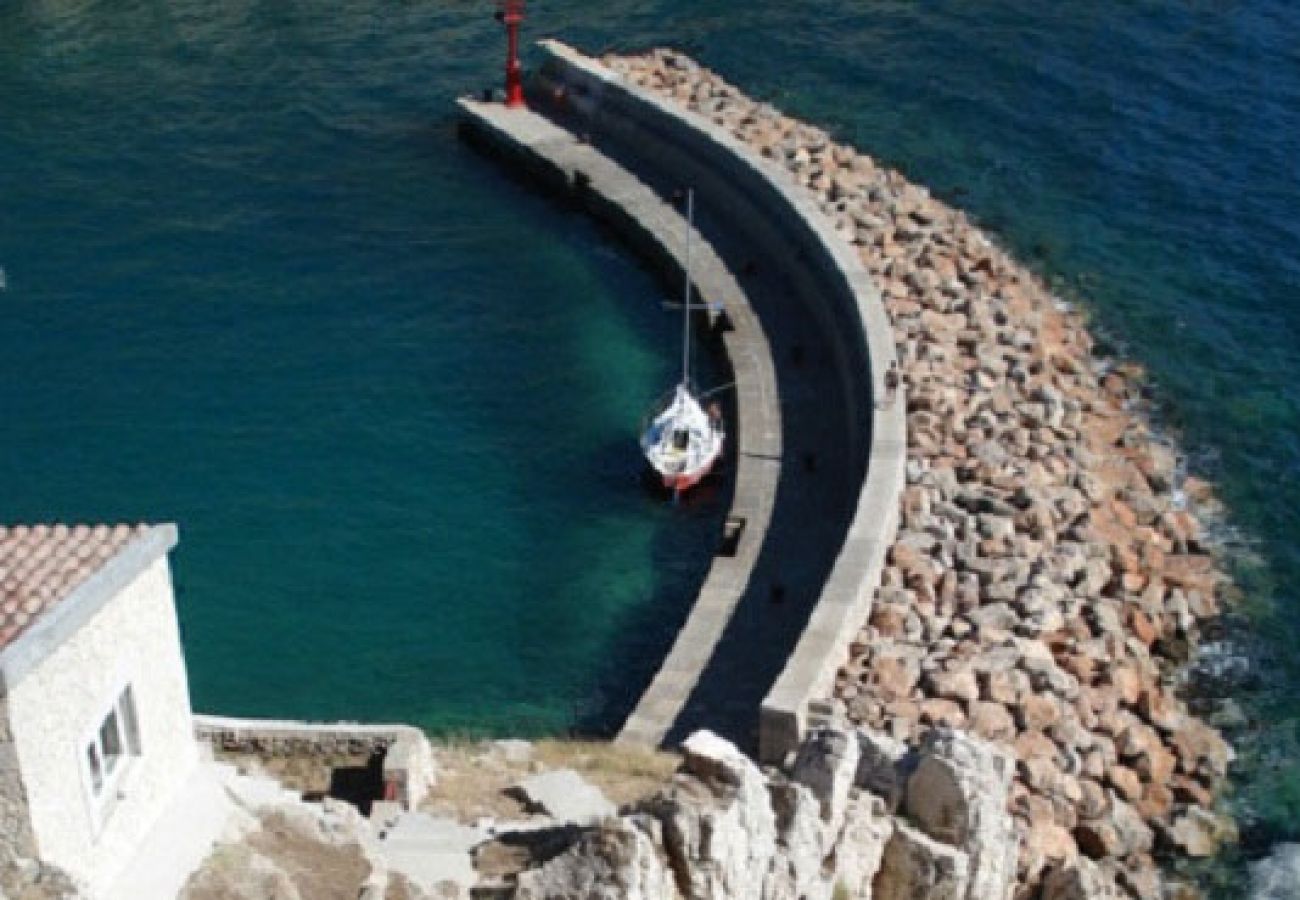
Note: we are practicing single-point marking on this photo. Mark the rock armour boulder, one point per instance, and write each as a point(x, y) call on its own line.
point(1048, 571)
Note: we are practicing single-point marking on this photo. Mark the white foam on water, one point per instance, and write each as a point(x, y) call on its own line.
point(1277, 877)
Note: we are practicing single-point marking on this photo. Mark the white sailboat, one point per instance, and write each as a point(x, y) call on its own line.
point(681, 441)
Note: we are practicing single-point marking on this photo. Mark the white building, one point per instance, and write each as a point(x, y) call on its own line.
point(96, 734)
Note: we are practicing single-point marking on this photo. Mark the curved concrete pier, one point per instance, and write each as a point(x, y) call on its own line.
point(659, 232)
point(835, 506)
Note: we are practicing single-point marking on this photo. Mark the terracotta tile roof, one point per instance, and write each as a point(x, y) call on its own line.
point(40, 565)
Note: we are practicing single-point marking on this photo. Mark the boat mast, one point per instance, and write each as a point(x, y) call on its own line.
point(686, 302)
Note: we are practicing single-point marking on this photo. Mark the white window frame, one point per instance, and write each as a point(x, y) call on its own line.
point(101, 798)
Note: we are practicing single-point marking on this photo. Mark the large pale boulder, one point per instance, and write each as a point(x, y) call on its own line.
point(615, 861)
point(859, 850)
point(802, 838)
point(917, 867)
point(958, 795)
point(827, 763)
point(719, 829)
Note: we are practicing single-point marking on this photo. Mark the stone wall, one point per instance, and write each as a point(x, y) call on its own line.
point(15, 825)
point(780, 219)
point(757, 200)
point(55, 708)
point(286, 737)
point(408, 761)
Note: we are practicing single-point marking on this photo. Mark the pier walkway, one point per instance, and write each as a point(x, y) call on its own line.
point(769, 631)
point(658, 230)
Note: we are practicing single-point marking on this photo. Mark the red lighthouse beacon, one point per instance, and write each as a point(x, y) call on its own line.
point(510, 13)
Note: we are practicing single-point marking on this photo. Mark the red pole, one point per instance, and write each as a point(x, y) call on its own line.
point(511, 14)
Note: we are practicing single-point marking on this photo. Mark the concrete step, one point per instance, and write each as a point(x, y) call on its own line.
point(222, 769)
point(255, 791)
point(384, 814)
point(566, 797)
point(429, 850)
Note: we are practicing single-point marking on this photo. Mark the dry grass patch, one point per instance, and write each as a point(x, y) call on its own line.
point(626, 774)
point(283, 858)
point(307, 773)
point(473, 778)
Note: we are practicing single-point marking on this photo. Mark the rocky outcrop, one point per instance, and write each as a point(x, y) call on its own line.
point(719, 829)
point(856, 815)
point(22, 878)
point(828, 764)
point(294, 851)
point(917, 867)
point(617, 861)
point(1079, 879)
point(723, 829)
point(1049, 574)
point(957, 794)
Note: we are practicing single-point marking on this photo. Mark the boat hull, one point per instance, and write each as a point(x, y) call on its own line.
point(684, 481)
point(681, 441)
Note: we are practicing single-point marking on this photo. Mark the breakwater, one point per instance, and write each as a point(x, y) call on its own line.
point(1049, 577)
point(1047, 582)
point(823, 288)
point(607, 149)
point(573, 169)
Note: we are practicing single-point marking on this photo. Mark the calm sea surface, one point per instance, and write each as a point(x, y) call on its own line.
point(256, 287)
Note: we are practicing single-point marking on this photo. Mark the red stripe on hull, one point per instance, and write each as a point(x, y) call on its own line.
point(685, 482)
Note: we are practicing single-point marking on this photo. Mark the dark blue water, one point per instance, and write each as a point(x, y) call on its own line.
point(257, 287)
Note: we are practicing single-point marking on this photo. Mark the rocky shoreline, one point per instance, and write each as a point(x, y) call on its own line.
point(849, 817)
point(1050, 577)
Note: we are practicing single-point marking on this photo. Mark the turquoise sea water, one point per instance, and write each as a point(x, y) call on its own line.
point(257, 287)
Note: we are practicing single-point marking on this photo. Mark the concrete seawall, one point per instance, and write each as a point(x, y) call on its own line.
point(835, 503)
point(781, 218)
point(569, 167)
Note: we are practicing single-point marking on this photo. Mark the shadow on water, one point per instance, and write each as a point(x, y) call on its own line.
point(686, 532)
point(816, 490)
point(648, 630)
point(817, 487)
point(816, 495)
